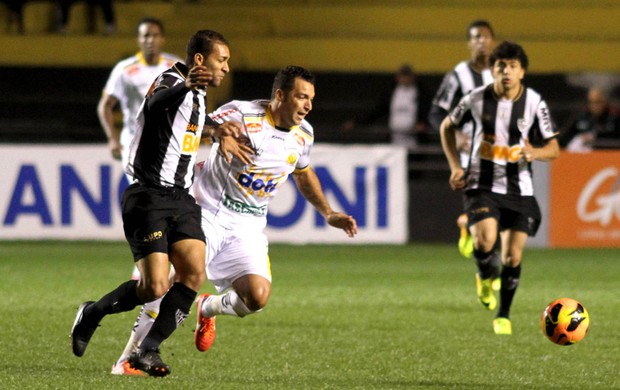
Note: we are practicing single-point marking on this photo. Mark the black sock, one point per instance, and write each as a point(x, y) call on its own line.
point(123, 298)
point(173, 310)
point(510, 282)
point(487, 263)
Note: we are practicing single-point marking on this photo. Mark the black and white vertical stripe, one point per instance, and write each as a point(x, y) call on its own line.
point(159, 155)
point(500, 129)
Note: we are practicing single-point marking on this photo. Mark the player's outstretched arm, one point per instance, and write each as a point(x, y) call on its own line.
point(310, 187)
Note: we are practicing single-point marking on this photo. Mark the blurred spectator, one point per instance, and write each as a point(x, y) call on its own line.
point(107, 7)
point(403, 109)
point(595, 127)
point(15, 16)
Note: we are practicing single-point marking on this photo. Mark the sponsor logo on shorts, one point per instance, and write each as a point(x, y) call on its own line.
point(154, 236)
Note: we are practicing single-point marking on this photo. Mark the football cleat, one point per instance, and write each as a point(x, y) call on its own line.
point(496, 284)
point(82, 331)
point(204, 335)
point(149, 362)
point(485, 292)
point(125, 369)
point(466, 244)
point(502, 325)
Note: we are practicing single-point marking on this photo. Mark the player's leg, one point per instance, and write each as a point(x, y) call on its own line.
point(187, 257)
point(485, 257)
point(141, 327)
point(241, 272)
point(511, 275)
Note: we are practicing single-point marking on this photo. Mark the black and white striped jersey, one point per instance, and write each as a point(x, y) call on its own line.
point(500, 128)
point(169, 125)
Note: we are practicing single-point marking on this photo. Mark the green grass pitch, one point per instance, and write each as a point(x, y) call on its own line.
point(340, 317)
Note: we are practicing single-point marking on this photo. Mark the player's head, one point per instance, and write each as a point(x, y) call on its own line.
point(480, 38)
point(509, 63)
point(405, 75)
point(211, 49)
point(508, 50)
point(291, 95)
point(151, 40)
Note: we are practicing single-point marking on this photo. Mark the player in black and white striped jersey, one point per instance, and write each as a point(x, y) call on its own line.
point(511, 128)
point(162, 221)
point(466, 76)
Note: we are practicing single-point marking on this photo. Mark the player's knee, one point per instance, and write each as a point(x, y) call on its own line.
point(258, 297)
point(153, 290)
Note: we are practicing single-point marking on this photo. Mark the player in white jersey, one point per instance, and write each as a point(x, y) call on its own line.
point(511, 128)
point(128, 84)
point(234, 197)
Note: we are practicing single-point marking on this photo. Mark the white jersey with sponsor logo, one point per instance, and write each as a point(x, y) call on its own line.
point(500, 129)
point(237, 193)
point(129, 82)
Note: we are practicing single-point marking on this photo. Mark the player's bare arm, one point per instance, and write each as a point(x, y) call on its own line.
point(310, 187)
point(550, 151)
point(105, 112)
point(448, 144)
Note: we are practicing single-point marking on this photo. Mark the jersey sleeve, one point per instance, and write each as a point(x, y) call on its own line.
point(114, 85)
point(448, 93)
point(462, 112)
point(228, 112)
point(545, 122)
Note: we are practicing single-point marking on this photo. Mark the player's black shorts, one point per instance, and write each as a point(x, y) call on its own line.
point(155, 217)
point(511, 211)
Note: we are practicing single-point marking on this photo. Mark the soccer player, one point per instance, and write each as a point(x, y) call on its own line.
point(234, 198)
point(160, 218)
point(128, 84)
point(457, 83)
point(511, 128)
point(126, 88)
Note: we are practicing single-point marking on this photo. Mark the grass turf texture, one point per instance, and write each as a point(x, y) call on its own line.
point(340, 317)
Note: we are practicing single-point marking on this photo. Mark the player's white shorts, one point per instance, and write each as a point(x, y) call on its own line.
point(232, 253)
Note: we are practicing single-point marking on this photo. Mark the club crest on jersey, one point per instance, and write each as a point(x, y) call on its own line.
point(291, 159)
point(522, 124)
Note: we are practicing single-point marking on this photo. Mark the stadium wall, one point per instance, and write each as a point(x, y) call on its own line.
point(371, 36)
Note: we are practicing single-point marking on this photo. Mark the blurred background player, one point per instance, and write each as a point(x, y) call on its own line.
point(466, 76)
point(499, 191)
point(235, 195)
point(127, 86)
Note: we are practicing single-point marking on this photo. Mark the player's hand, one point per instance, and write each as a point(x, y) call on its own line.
point(198, 77)
point(226, 129)
point(236, 147)
point(115, 149)
point(529, 152)
point(457, 179)
point(344, 222)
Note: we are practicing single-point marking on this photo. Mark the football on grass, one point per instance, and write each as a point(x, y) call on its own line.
point(565, 321)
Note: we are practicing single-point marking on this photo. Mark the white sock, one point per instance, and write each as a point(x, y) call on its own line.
point(229, 303)
point(141, 327)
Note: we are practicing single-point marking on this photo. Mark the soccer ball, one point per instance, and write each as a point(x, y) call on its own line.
point(565, 321)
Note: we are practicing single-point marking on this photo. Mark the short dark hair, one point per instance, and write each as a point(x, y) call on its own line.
point(479, 23)
point(285, 78)
point(508, 50)
point(202, 42)
point(154, 21)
